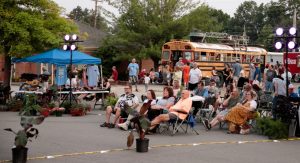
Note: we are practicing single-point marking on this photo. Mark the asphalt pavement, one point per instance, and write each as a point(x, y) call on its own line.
point(81, 140)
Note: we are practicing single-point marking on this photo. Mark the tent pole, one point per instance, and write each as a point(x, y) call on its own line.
point(101, 76)
point(52, 76)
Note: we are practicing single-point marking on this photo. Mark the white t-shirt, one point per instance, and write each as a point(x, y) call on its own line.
point(195, 75)
point(73, 82)
point(253, 105)
point(147, 79)
point(130, 99)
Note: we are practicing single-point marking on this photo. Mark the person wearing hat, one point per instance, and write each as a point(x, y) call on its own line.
point(237, 68)
point(180, 63)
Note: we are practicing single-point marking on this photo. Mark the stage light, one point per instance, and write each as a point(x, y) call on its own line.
point(278, 45)
point(67, 37)
point(293, 31)
point(279, 31)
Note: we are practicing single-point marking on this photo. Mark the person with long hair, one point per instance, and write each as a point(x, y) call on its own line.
point(162, 105)
point(239, 114)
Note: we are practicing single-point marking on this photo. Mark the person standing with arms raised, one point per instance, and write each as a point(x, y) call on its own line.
point(133, 69)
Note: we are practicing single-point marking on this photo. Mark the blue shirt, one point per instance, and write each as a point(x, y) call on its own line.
point(133, 69)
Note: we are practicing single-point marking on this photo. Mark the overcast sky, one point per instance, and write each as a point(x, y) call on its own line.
point(228, 6)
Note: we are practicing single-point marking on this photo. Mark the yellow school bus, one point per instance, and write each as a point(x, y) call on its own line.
point(208, 55)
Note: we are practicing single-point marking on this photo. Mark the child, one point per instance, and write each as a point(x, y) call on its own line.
point(147, 81)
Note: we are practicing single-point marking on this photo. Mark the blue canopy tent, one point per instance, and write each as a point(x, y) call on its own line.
point(61, 57)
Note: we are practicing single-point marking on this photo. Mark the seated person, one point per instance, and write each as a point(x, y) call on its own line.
point(143, 110)
point(230, 102)
point(119, 109)
point(199, 95)
point(176, 88)
point(213, 96)
point(240, 113)
point(162, 104)
point(179, 110)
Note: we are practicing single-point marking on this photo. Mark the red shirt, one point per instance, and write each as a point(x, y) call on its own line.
point(115, 75)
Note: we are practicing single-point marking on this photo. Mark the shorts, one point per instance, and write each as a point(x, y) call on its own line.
point(172, 116)
point(133, 79)
point(123, 113)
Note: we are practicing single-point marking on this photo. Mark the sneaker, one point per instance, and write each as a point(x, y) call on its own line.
point(111, 125)
point(104, 124)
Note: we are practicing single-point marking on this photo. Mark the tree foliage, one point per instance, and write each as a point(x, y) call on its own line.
point(28, 27)
point(88, 16)
point(145, 26)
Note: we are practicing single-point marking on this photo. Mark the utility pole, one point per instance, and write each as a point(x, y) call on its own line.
point(295, 24)
point(96, 9)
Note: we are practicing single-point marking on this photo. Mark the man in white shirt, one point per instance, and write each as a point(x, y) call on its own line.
point(195, 77)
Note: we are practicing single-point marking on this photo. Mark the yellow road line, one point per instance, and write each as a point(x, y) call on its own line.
point(155, 146)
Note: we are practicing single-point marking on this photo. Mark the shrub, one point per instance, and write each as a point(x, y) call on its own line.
point(274, 129)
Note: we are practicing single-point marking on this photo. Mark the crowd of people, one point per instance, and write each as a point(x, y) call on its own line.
point(190, 93)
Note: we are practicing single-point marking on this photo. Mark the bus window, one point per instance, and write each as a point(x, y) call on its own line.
point(166, 55)
point(218, 57)
point(238, 56)
point(203, 56)
point(244, 59)
point(211, 56)
point(197, 56)
point(222, 57)
point(262, 59)
point(248, 58)
point(252, 59)
point(188, 56)
point(228, 58)
point(233, 57)
point(298, 61)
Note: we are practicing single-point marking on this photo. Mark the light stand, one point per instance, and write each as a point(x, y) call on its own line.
point(70, 45)
point(286, 40)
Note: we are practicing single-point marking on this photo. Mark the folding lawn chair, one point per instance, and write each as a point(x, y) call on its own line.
point(177, 124)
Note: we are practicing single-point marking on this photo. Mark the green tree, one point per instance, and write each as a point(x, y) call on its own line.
point(251, 16)
point(145, 26)
point(28, 27)
point(88, 16)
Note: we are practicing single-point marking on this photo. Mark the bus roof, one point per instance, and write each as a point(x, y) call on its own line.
point(211, 46)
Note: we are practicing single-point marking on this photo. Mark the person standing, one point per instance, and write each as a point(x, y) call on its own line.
point(186, 71)
point(180, 63)
point(237, 68)
point(133, 69)
point(269, 76)
point(251, 73)
point(195, 77)
point(147, 81)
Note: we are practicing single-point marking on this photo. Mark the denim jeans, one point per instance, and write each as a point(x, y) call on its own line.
point(269, 86)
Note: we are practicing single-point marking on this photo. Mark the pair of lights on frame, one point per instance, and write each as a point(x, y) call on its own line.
point(70, 39)
point(291, 34)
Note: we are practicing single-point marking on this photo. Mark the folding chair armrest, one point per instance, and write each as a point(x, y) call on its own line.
point(181, 111)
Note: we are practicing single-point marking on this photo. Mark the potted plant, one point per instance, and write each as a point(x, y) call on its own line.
point(58, 112)
point(19, 151)
point(14, 104)
point(77, 110)
point(30, 108)
point(141, 124)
